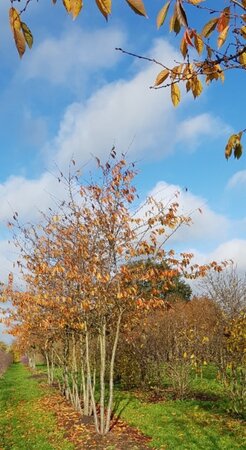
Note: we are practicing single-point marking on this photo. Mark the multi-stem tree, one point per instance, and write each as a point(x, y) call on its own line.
point(83, 280)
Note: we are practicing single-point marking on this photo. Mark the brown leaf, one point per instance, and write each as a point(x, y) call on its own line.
point(67, 4)
point(181, 14)
point(198, 43)
point(20, 42)
point(175, 94)
point(183, 47)
point(104, 7)
point(222, 36)
point(76, 6)
point(161, 77)
point(224, 19)
point(209, 27)
point(27, 34)
point(162, 15)
point(14, 19)
point(138, 7)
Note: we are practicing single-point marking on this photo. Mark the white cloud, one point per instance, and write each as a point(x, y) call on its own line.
point(237, 180)
point(118, 113)
point(28, 196)
point(71, 58)
point(192, 130)
point(7, 257)
point(234, 249)
point(33, 129)
point(128, 114)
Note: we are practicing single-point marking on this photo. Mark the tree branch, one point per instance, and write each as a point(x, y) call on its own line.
point(142, 57)
point(238, 4)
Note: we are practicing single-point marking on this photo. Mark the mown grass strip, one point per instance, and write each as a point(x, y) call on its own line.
point(181, 425)
point(24, 425)
point(190, 424)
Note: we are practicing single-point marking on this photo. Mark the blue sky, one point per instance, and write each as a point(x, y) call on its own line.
point(73, 95)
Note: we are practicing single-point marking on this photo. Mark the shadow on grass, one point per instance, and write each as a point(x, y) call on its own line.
point(120, 404)
point(222, 408)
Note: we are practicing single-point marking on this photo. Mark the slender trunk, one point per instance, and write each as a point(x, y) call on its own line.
point(93, 389)
point(84, 386)
point(102, 339)
point(59, 363)
point(48, 366)
point(34, 361)
point(75, 387)
point(93, 402)
point(67, 390)
point(52, 367)
point(111, 373)
point(84, 391)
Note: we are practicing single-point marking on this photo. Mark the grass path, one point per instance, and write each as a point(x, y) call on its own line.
point(24, 423)
point(184, 425)
point(33, 416)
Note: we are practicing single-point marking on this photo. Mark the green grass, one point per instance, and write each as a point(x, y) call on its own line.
point(187, 424)
point(190, 424)
point(24, 425)
point(183, 425)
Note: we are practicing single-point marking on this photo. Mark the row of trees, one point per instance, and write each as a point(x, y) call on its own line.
point(93, 272)
point(175, 345)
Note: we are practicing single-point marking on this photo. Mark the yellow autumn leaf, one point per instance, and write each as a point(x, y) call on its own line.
point(67, 4)
point(175, 94)
point(196, 87)
point(198, 42)
point(181, 15)
point(137, 6)
point(242, 59)
point(161, 77)
point(222, 36)
point(162, 15)
point(209, 27)
point(104, 7)
point(183, 47)
point(14, 19)
point(174, 24)
point(188, 85)
point(195, 2)
point(15, 24)
point(20, 42)
point(27, 34)
point(76, 6)
point(243, 31)
point(233, 141)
